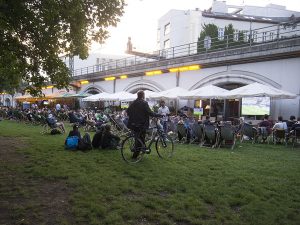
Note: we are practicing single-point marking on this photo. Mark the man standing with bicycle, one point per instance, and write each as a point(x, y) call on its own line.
point(138, 121)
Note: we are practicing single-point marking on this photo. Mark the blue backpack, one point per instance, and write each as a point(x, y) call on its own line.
point(72, 142)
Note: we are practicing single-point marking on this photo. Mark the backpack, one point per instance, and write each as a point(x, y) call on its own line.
point(85, 143)
point(72, 142)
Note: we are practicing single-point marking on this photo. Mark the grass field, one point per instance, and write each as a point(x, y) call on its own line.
point(41, 183)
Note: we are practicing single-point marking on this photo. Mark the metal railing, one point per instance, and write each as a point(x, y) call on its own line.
point(252, 38)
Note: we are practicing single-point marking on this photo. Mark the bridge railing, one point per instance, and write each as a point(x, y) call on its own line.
point(241, 39)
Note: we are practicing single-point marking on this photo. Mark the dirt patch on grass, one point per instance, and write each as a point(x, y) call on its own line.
point(29, 200)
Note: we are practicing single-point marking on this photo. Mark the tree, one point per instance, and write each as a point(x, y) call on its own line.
point(211, 31)
point(34, 33)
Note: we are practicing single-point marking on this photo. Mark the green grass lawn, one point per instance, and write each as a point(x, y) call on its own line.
point(252, 184)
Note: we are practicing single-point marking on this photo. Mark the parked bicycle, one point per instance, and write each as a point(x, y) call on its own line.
point(133, 148)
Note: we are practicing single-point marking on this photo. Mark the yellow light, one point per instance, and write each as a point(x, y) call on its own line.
point(154, 72)
point(109, 78)
point(84, 82)
point(51, 86)
point(184, 68)
point(43, 88)
point(194, 67)
point(174, 70)
point(123, 77)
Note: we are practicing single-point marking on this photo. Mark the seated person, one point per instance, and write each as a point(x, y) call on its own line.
point(207, 121)
point(296, 125)
point(291, 122)
point(52, 122)
point(75, 132)
point(265, 123)
point(109, 140)
point(280, 125)
point(184, 121)
point(125, 120)
point(75, 119)
point(29, 116)
point(97, 139)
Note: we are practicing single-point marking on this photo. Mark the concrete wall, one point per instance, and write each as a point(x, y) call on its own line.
point(273, 73)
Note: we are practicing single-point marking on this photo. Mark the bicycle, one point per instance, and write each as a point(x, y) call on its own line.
point(132, 144)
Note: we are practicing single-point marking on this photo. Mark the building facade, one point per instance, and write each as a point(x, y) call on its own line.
point(179, 27)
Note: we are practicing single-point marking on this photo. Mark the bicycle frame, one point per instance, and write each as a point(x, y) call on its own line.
point(159, 133)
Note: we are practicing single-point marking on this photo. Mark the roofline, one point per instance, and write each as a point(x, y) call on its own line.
point(205, 14)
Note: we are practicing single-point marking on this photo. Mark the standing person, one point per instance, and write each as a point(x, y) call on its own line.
point(164, 111)
point(138, 117)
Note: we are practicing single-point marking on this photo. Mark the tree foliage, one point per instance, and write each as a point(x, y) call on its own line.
point(211, 31)
point(34, 33)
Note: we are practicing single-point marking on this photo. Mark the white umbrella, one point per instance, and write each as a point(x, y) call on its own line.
point(258, 90)
point(169, 94)
point(97, 97)
point(206, 92)
point(120, 96)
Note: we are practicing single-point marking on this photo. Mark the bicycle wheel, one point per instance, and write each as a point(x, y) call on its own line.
point(164, 147)
point(131, 153)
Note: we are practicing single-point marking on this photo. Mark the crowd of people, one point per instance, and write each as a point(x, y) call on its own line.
point(136, 118)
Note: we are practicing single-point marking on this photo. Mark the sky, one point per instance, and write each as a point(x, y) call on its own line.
point(140, 21)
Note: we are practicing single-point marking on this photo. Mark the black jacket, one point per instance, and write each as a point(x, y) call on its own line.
point(138, 113)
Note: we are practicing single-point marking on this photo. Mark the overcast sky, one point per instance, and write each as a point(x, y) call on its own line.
point(141, 18)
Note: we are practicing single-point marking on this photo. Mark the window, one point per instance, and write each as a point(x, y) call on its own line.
point(271, 36)
point(221, 33)
point(167, 29)
point(254, 36)
point(236, 36)
point(264, 37)
point(244, 36)
point(158, 36)
point(167, 44)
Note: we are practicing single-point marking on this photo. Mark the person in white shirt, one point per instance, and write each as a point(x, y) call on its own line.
point(58, 107)
point(280, 124)
point(164, 111)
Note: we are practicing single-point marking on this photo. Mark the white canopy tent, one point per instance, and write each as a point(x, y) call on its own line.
point(206, 92)
point(172, 93)
point(119, 96)
point(258, 90)
point(148, 94)
point(97, 97)
point(132, 97)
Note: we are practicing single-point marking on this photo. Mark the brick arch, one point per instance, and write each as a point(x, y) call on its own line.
point(93, 87)
point(235, 76)
point(143, 84)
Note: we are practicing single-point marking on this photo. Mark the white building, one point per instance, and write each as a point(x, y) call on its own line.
point(180, 27)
